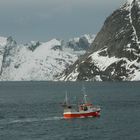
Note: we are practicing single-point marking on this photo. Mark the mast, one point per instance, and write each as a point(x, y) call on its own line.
point(66, 98)
point(85, 99)
point(84, 93)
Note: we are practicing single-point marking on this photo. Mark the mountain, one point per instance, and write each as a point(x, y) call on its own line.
point(39, 60)
point(115, 53)
point(80, 43)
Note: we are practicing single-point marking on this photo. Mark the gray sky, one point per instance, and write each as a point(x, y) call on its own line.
point(42, 20)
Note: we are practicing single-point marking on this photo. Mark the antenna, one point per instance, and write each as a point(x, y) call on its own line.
point(83, 89)
point(84, 94)
point(85, 99)
point(66, 101)
point(66, 97)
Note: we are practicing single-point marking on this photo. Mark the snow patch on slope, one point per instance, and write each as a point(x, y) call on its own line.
point(3, 42)
point(71, 77)
point(102, 62)
point(129, 1)
point(90, 38)
point(136, 76)
point(45, 48)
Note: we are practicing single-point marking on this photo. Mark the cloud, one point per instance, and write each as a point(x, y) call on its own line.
point(51, 3)
point(46, 18)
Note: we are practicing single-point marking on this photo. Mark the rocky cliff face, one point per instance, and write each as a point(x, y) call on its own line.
point(115, 52)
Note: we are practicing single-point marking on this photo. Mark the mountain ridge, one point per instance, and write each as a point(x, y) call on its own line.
point(113, 55)
point(115, 52)
point(38, 60)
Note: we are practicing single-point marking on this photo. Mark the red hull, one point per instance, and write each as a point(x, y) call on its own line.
point(91, 114)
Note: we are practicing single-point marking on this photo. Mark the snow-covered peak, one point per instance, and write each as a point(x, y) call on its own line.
point(51, 43)
point(3, 41)
point(54, 42)
point(48, 45)
point(33, 42)
point(76, 39)
point(90, 38)
point(129, 1)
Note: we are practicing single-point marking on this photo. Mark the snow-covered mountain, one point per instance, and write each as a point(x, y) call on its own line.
point(39, 60)
point(80, 43)
point(115, 53)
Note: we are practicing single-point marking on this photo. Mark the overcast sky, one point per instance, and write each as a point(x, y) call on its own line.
point(42, 20)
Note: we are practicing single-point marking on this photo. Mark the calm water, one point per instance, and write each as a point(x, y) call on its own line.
point(32, 111)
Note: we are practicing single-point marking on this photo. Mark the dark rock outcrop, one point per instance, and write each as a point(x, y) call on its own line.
point(8, 53)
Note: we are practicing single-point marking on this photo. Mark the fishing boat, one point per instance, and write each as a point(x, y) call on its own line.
point(81, 110)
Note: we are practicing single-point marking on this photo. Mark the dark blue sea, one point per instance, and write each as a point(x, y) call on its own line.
point(32, 111)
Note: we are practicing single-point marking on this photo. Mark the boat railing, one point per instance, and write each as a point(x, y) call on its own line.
point(96, 107)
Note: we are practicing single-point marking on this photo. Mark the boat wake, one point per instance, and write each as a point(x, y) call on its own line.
point(31, 120)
